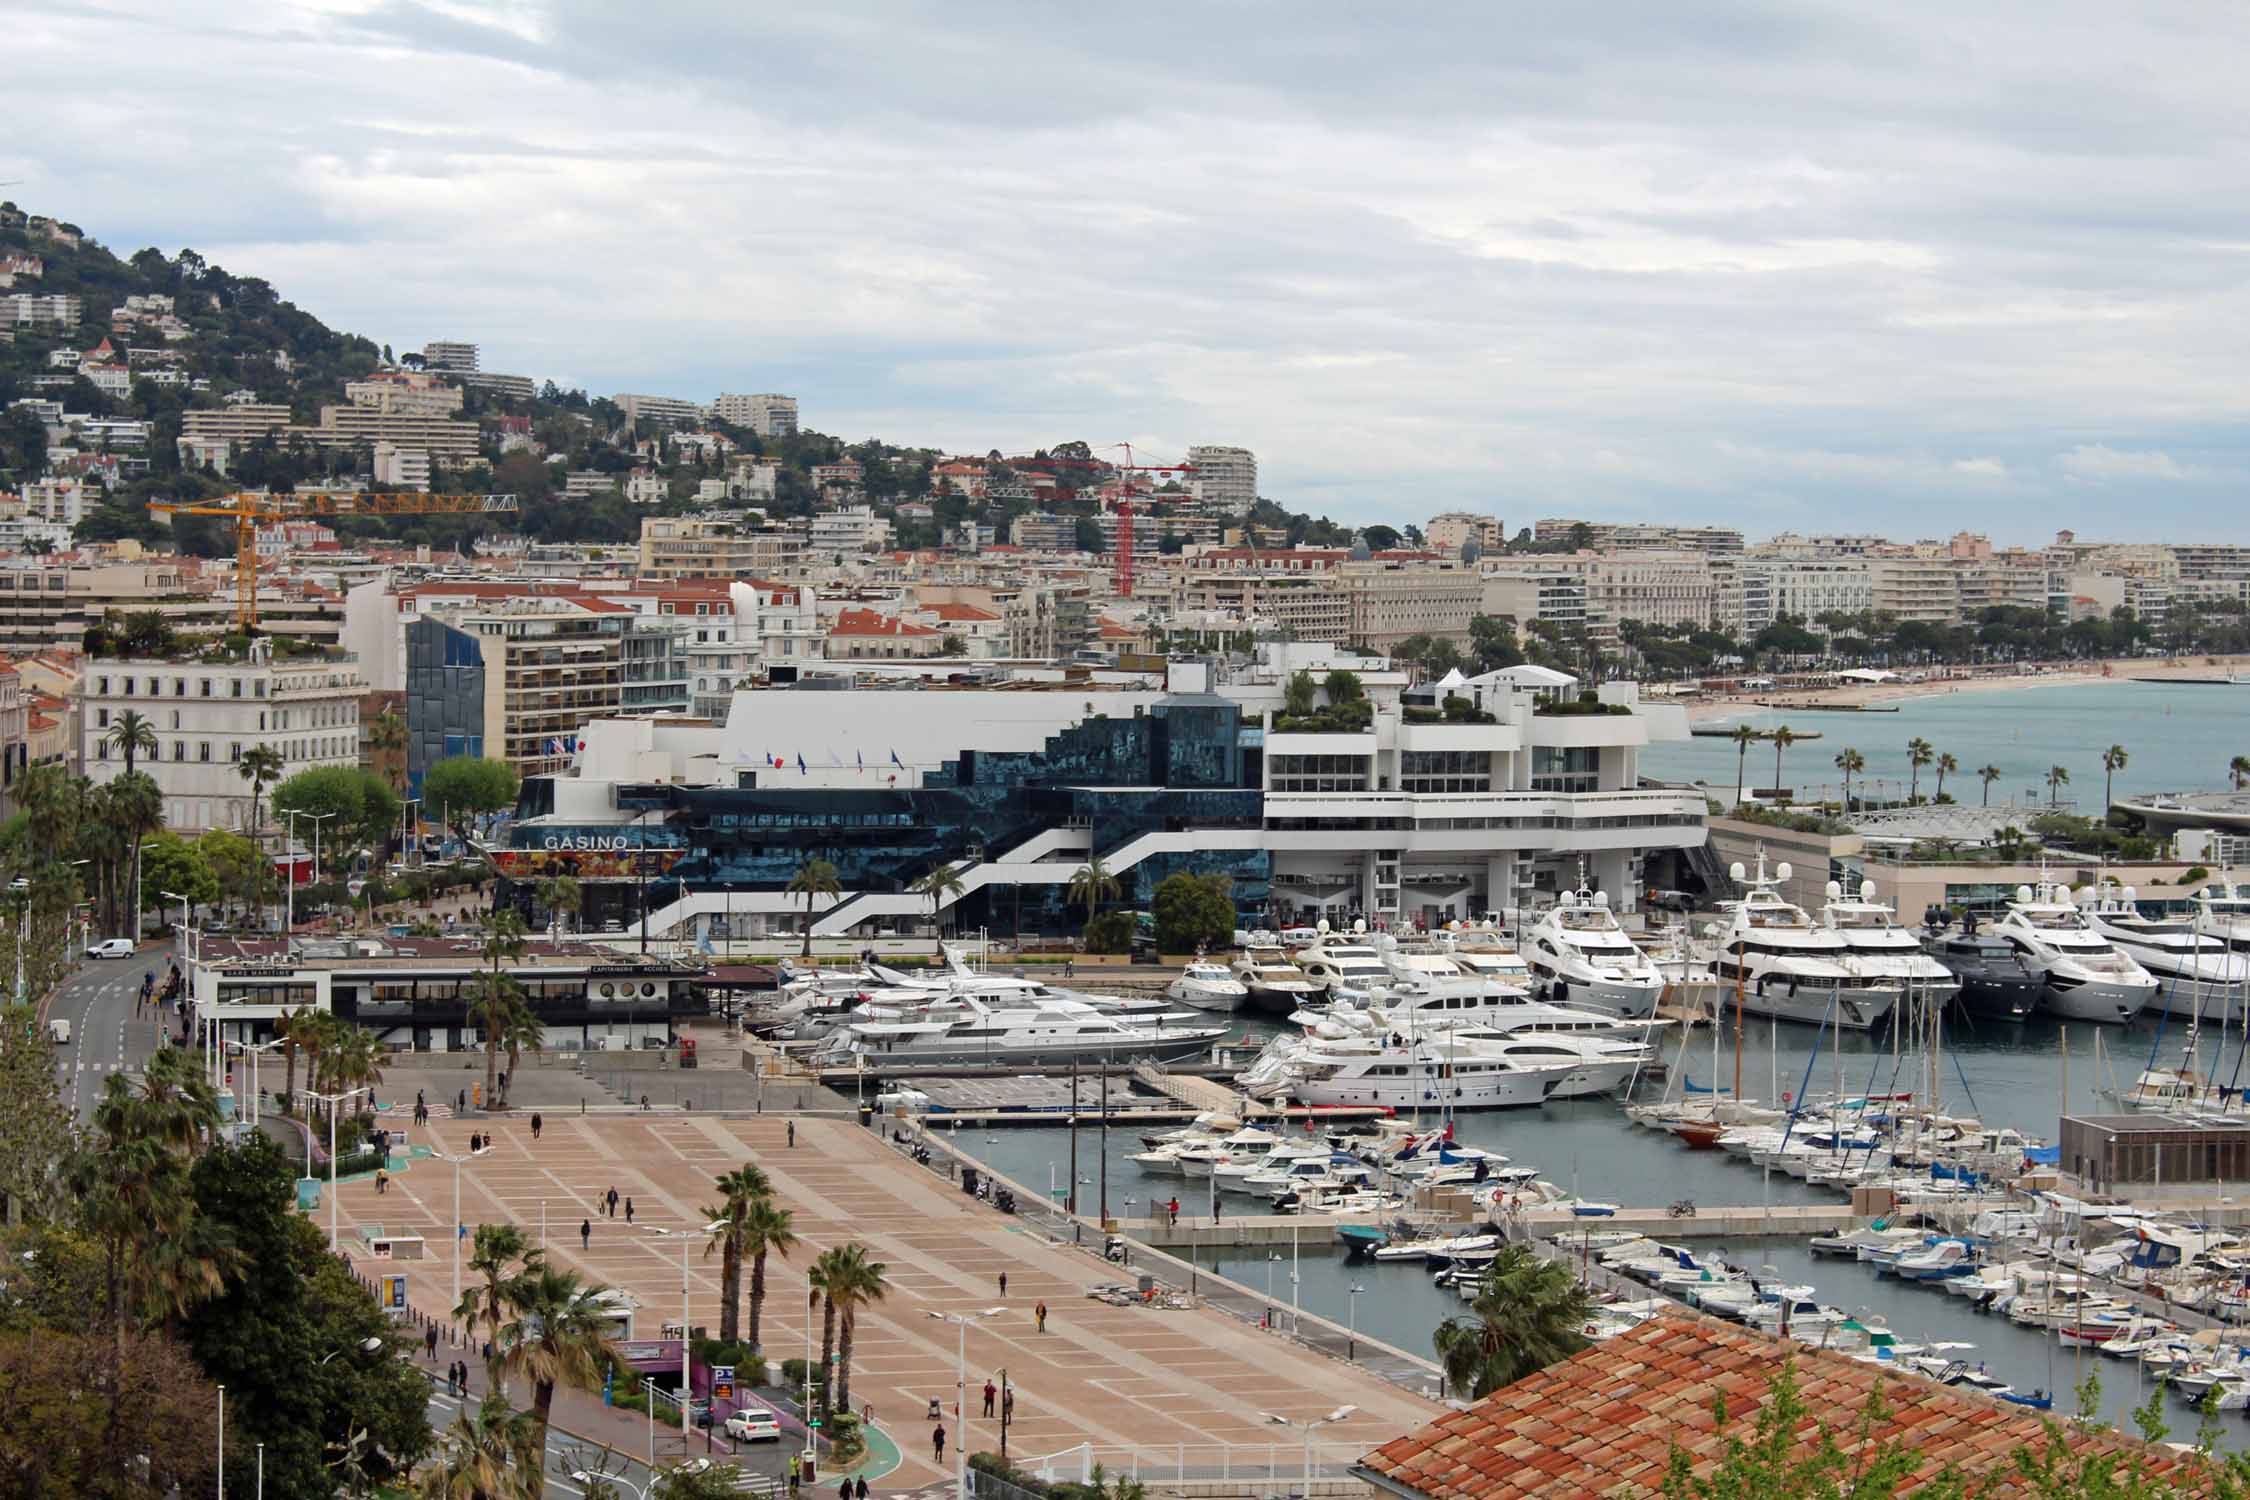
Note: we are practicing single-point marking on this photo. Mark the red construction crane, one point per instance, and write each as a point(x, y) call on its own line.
point(1126, 502)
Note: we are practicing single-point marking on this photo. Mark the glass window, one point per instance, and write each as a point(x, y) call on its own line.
point(203, 750)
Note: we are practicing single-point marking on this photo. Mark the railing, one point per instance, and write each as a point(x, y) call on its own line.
point(1287, 1459)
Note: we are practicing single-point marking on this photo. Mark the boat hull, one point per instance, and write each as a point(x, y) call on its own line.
point(1813, 1002)
point(1032, 1054)
point(2098, 1000)
point(1201, 997)
point(1626, 999)
point(1486, 1091)
point(2001, 999)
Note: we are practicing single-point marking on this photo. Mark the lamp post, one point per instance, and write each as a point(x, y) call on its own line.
point(332, 1101)
point(685, 1388)
point(1306, 1428)
point(1351, 1316)
point(252, 1052)
point(222, 1427)
point(216, 1067)
point(459, 1229)
point(961, 1322)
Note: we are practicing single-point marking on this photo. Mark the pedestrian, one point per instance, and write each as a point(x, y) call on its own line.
point(613, 1200)
point(1007, 1406)
point(421, 1100)
point(382, 1181)
point(843, 1489)
point(585, 1234)
point(991, 1393)
point(1039, 1315)
point(429, 1341)
point(461, 1105)
point(628, 1210)
point(1003, 1283)
point(792, 1473)
point(537, 1125)
point(1174, 1205)
point(792, 1134)
point(859, 1488)
point(937, 1442)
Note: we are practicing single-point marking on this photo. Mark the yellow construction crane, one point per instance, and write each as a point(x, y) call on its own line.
point(251, 511)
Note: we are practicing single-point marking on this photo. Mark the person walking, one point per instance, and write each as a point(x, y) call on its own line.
point(1039, 1317)
point(792, 1135)
point(537, 1125)
point(991, 1392)
point(613, 1200)
point(793, 1467)
point(628, 1210)
point(585, 1234)
point(1003, 1283)
point(937, 1442)
point(843, 1489)
point(382, 1181)
point(859, 1488)
point(429, 1342)
point(1007, 1406)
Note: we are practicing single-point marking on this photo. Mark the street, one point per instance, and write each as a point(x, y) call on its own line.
point(763, 1467)
point(105, 1035)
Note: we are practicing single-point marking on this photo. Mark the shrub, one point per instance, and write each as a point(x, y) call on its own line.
point(2192, 875)
point(1111, 932)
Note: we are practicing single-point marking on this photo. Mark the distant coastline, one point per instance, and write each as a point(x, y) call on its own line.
point(2073, 674)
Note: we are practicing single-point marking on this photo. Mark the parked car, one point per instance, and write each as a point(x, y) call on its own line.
point(116, 947)
point(754, 1424)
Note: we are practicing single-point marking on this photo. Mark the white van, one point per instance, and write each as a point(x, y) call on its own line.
point(59, 1028)
point(117, 947)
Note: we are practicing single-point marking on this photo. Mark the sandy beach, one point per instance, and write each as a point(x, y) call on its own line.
point(1960, 680)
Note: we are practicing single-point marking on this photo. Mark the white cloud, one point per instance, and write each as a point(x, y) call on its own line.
point(2100, 463)
point(1981, 468)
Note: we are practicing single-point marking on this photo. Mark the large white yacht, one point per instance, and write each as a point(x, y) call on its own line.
point(1343, 965)
point(969, 1029)
point(1481, 949)
point(1273, 982)
point(2222, 911)
point(2083, 975)
point(1882, 951)
point(1772, 960)
point(1581, 954)
point(2199, 972)
point(1596, 1061)
point(1208, 986)
point(1422, 1074)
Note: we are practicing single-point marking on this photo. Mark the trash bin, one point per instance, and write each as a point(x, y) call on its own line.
point(1147, 1284)
point(867, 1117)
point(808, 1468)
point(969, 1181)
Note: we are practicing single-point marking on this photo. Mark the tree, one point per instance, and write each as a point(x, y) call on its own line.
point(2238, 771)
point(738, 1190)
point(173, 867)
point(823, 1279)
point(386, 736)
point(497, 1255)
point(554, 1337)
point(938, 886)
point(1442, 659)
point(133, 736)
point(562, 894)
point(36, 1129)
point(496, 1004)
point(261, 766)
point(2113, 761)
point(2058, 777)
point(489, 1453)
point(855, 1282)
point(1492, 642)
point(52, 1440)
point(357, 806)
point(1988, 774)
point(1193, 912)
point(1299, 694)
point(1343, 687)
point(814, 878)
point(468, 786)
point(1526, 1315)
point(240, 871)
point(1091, 886)
point(136, 810)
point(1782, 738)
point(51, 801)
point(1918, 755)
point(1946, 765)
point(766, 1230)
point(1744, 736)
point(1851, 763)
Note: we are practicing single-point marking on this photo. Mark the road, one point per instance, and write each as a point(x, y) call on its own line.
point(761, 1466)
point(105, 1035)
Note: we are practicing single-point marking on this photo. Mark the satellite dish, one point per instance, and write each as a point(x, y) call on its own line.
point(1781, 871)
point(2023, 893)
point(1321, 926)
point(1736, 872)
point(1867, 891)
point(2131, 895)
point(1601, 898)
point(1835, 890)
point(1360, 926)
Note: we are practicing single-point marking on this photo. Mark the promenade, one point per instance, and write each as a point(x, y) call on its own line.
point(1151, 1380)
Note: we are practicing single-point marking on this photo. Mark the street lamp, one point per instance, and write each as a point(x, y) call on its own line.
point(460, 1230)
point(1306, 1428)
point(289, 882)
point(686, 1388)
point(368, 1345)
point(1351, 1325)
point(335, 1242)
point(961, 1322)
point(252, 1051)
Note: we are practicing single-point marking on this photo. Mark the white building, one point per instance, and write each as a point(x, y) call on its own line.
point(407, 468)
point(205, 714)
point(43, 310)
point(765, 415)
point(658, 409)
point(58, 502)
point(852, 529)
point(1226, 479)
point(646, 487)
point(450, 355)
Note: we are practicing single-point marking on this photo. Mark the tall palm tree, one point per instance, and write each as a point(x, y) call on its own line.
point(1744, 736)
point(857, 1282)
point(1782, 739)
point(138, 808)
point(176, 1106)
point(386, 734)
point(2009, 841)
point(2238, 770)
point(499, 1253)
point(134, 734)
point(1091, 886)
point(1946, 764)
point(738, 1189)
point(51, 803)
point(1526, 1315)
point(1988, 775)
point(814, 877)
point(767, 1230)
point(554, 1337)
point(496, 1002)
point(489, 1453)
point(942, 884)
point(1851, 763)
point(1918, 754)
point(261, 766)
point(2113, 761)
point(562, 894)
point(825, 1278)
point(2058, 777)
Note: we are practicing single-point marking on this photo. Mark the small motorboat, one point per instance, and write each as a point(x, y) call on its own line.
point(1362, 1240)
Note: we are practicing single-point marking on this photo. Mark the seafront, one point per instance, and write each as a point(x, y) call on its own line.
point(1964, 680)
point(1173, 1386)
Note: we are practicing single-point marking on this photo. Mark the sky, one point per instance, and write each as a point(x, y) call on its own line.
point(1907, 268)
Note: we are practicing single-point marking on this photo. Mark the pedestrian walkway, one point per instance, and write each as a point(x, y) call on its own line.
point(1114, 1371)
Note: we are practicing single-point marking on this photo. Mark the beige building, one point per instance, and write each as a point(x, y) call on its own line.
point(245, 422)
point(404, 392)
point(365, 426)
point(1916, 585)
point(1388, 604)
point(674, 547)
point(1450, 531)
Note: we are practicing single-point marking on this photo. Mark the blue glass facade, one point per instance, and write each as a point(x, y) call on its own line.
point(1177, 768)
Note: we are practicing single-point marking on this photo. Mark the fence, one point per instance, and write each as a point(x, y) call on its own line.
point(1287, 1459)
point(1259, 1309)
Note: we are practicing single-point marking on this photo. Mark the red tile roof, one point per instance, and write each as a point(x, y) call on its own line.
point(964, 612)
point(868, 622)
point(1603, 1422)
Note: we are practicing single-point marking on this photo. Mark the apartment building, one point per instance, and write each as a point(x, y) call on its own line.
point(515, 679)
point(451, 356)
point(1387, 604)
point(1916, 585)
point(672, 409)
point(59, 502)
point(59, 310)
point(403, 468)
point(1450, 531)
point(1226, 478)
point(1639, 537)
point(2013, 579)
point(1531, 587)
point(237, 422)
point(1805, 587)
point(406, 392)
point(365, 426)
point(870, 635)
point(1038, 533)
point(854, 528)
point(768, 416)
point(1655, 588)
point(206, 712)
point(48, 606)
point(676, 547)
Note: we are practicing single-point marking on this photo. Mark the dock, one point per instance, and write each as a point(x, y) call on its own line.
point(1805, 1220)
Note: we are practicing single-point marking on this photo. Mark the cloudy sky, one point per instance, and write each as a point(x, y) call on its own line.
point(1905, 267)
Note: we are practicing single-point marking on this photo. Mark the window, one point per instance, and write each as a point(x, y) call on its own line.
point(101, 750)
point(261, 687)
point(234, 750)
point(1573, 770)
point(179, 749)
point(203, 751)
point(104, 689)
point(1445, 771)
point(236, 686)
point(102, 719)
point(179, 687)
point(1319, 773)
point(175, 718)
point(206, 692)
point(128, 687)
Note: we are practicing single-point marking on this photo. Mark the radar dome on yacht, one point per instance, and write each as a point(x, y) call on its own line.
point(1601, 898)
point(1867, 891)
point(1321, 926)
point(2131, 895)
point(1360, 927)
point(2023, 893)
point(1736, 872)
point(1781, 871)
point(1835, 890)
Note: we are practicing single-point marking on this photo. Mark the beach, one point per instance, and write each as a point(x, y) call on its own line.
point(1940, 681)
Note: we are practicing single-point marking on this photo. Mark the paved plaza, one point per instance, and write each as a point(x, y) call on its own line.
point(1136, 1377)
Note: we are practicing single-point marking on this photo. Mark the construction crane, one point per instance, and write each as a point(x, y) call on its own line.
point(1126, 503)
point(249, 511)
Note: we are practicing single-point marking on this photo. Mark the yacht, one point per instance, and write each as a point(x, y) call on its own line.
point(1995, 982)
point(1882, 951)
point(2082, 975)
point(1272, 981)
point(1583, 957)
point(1422, 1074)
point(1483, 951)
point(1340, 965)
point(1772, 960)
point(1596, 1057)
point(2201, 975)
point(970, 1029)
point(1208, 986)
point(2222, 911)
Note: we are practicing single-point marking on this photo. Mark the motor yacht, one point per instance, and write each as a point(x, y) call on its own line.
point(2222, 911)
point(971, 1030)
point(1343, 965)
point(2200, 975)
point(1581, 955)
point(1882, 951)
point(1208, 986)
point(1422, 1074)
point(1773, 960)
point(1272, 982)
point(1996, 983)
point(1483, 950)
point(2082, 974)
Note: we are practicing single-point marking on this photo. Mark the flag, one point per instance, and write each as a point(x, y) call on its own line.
point(801, 763)
point(861, 759)
point(896, 761)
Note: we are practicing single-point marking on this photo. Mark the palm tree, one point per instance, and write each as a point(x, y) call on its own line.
point(555, 1337)
point(498, 1254)
point(1918, 755)
point(1945, 765)
point(940, 885)
point(1744, 736)
point(386, 734)
point(825, 1280)
point(2009, 841)
point(295, 1029)
point(857, 1281)
point(496, 1003)
point(2058, 777)
point(738, 1189)
point(490, 1453)
point(1092, 885)
point(1851, 763)
point(767, 1230)
point(1988, 775)
point(2239, 770)
point(1782, 739)
point(1526, 1316)
point(562, 894)
point(2113, 761)
point(815, 877)
point(176, 1106)
point(133, 734)
point(261, 766)
point(138, 808)
point(51, 802)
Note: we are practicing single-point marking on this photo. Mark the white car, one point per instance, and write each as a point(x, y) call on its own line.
point(111, 948)
point(754, 1424)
